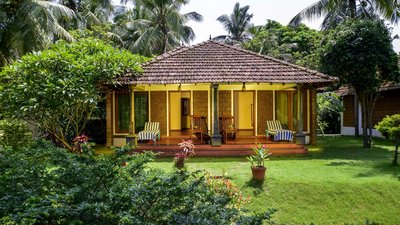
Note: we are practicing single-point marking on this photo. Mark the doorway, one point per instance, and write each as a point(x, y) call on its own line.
point(179, 105)
point(244, 112)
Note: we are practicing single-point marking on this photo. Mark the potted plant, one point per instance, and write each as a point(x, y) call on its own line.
point(257, 161)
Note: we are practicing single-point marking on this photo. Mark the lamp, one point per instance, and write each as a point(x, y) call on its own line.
point(244, 86)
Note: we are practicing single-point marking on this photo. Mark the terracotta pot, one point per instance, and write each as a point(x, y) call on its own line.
point(258, 173)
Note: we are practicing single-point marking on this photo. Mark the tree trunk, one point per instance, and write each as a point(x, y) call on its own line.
point(353, 8)
point(396, 154)
point(364, 119)
point(367, 101)
point(356, 116)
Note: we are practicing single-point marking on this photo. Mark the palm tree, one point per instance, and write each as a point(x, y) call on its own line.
point(90, 12)
point(130, 24)
point(336, 11)
point(155, 26)
point(236, 24)
point(30, 25)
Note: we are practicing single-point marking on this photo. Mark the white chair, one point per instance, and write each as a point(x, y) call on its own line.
point(274, 128)
point(151, 132)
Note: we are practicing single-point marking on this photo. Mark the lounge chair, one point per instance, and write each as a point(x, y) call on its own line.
point(274, 128)
point(151, 132)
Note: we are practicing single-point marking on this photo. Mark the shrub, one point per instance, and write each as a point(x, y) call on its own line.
point(14, 133)
point(390, 129)
point(48, 185)
point(329, 107)
point(225, 187)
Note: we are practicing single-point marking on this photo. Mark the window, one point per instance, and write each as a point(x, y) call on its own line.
point(282, 109)
point(141, 110)
point(286, 109)
point(122, 113)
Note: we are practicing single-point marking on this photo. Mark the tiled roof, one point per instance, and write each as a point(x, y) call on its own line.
point(215, 62)
point(349, 90)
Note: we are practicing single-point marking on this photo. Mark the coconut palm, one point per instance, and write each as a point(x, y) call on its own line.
point(236, 24)
point(30, 25)
point(130, 24)
point(336, 11)
point(156, 26)
point(90, 12)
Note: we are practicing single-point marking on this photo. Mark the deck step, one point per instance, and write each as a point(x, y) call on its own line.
point(227, 150)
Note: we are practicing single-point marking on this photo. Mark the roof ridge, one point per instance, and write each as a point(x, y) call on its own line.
point(237, 48)
point(174, 51)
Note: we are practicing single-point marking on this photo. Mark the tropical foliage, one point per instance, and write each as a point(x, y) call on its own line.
point(336, 12)
point(390, 129)
point(236, 24)
point(299, 45)
point(30, 25)
point(360, 53)
point(89, 12)
point(46, 185)
point(58, 89)
point(261, 153)
point(14, 134)
point(329, 107)
point(155, 26)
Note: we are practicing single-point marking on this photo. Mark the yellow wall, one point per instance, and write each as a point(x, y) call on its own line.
point(242, 100)
point(244, 109)
point(175, 110)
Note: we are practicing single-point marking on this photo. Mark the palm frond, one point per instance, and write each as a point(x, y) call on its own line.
point(313, 11)
point(193, 16)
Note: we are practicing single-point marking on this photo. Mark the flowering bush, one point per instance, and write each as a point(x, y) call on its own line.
point(225, 187)
point(187, 151)
point(82, 145)
point(261, 154)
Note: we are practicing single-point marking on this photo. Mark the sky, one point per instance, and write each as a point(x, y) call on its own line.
point(279, 10)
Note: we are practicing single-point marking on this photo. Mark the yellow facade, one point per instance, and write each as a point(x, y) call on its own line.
point(243, 104)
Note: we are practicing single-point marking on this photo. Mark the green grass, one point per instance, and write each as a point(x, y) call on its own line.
point(338, 182)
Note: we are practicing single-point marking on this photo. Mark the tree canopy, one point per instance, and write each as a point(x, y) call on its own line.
point(58, 89)
point(154, 27)
point(236, 24)
point(336, 12)
point(299, 45)
point(30, 25)
point(360, 53)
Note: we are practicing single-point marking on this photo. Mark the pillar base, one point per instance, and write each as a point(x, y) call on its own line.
point(216, 140)
point(131, 139)
point(300, 138)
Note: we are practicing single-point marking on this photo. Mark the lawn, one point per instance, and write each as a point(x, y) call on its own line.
point(338, 182)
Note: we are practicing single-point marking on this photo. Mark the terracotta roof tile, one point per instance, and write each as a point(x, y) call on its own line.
point(215, 62)
point(349, 90)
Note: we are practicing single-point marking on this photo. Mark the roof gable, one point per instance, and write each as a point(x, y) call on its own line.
point(215, 62)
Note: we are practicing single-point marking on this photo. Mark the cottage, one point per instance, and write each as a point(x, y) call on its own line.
point(388, 103)
point(210, 82)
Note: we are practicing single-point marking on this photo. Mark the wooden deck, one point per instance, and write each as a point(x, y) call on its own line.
point(241, 146)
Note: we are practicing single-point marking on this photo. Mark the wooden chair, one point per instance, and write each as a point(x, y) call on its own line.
point(227, 127)
point(198, 127)
point(151, 132)
point(274, 128)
